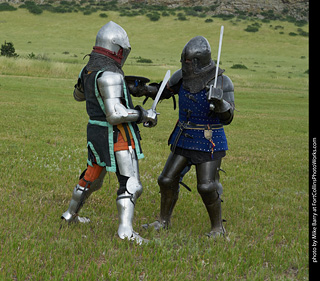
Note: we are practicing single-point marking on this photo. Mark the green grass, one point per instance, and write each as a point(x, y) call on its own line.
point(43, 151)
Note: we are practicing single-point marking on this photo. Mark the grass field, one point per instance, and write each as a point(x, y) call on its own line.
point(43, 151)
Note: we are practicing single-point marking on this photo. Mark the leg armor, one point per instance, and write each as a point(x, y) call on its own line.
point(128, 193)
point(210, 190)
point(79, 196)
point(169, 189)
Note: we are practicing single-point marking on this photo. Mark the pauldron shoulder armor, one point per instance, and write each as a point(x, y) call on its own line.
point(175, 78)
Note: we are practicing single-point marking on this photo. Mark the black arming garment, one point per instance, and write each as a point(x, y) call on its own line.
point(100, 133)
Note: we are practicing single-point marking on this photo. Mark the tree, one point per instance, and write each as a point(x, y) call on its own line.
point(8, 50)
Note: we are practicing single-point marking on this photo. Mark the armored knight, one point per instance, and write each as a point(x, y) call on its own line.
point(113, 138)
point(198, 138)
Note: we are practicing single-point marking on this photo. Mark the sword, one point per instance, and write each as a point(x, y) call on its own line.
point(157, 98)
point(163, 84)
point(217, 69)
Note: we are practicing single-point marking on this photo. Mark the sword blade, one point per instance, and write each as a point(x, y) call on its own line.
point(163, 84)
point(218, 58)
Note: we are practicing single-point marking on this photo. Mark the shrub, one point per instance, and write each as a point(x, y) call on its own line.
point(61, 10)
point(43, 57)
point(8, 50)
point(87, 12)
point(31, 56)
point(143, 60)
point(155, 16)
point(253, 27)
point(6, 7)
point(33, 8)
point(270, 15)
point(213, 7)
point(191, 13)
point(300, 23)
point(239, 66)
point(198, 8)
point(181, 16)
point(302, 32)
point(278, 27)
point(103, 15)
point(224, 16)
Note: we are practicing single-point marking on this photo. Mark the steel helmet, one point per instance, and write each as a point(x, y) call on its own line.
point(112, 41)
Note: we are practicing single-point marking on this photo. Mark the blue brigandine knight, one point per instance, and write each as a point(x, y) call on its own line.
point(198, 137)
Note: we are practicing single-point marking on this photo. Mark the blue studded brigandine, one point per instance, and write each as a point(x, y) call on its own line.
point(194, 119)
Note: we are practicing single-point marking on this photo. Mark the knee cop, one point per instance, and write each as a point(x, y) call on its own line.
point(168, 183)
point(210, 191)
point(130, 187)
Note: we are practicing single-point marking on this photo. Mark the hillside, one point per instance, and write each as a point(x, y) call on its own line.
point(272, 9)
point(299, 9)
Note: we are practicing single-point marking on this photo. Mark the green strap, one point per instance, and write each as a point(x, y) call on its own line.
point(137, 147)
point(101, 103)
point(96, 155)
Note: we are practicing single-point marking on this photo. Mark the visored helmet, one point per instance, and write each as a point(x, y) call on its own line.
point(196, 64)
point(196, 57)
point(112, 41)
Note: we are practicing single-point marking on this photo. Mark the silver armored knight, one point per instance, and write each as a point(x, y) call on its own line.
point(198, 138)
point(113, 138)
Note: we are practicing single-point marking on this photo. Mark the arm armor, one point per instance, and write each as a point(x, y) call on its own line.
point(111, 90)
point(138, 87)
point(149, 91)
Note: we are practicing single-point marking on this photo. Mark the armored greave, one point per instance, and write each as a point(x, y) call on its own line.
point(128, 193)
point(214, 211)
point(169, 186)
point(210, 190)
point(79, 196)
point(169, 198)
